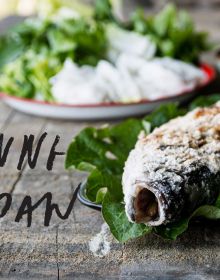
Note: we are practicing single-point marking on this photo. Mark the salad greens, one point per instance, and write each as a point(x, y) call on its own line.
point(173, 32)
point(103, 10)
point(35, 50)
point(102, 153)
point(47, 8)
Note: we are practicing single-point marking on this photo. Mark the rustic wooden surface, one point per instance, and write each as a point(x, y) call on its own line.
point(62, 251)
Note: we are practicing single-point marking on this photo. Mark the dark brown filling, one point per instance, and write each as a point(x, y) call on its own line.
point(145, 206)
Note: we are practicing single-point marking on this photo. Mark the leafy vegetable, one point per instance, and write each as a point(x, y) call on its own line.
point(45, 45)
point(103, 10)
point(105, 148)
point(115, 216)
point(10, 49)
point(103, 151)
point(173, 32)
point(50, 7)
point(108, 11)
point(163, 114)
point(34, 51)
point(203, 101)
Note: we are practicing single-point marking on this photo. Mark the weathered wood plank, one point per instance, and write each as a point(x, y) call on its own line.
point(5, 114)
point(24, 253)
point(27, 254)
point(16, 126)
point(77, 262)
point(189, 257)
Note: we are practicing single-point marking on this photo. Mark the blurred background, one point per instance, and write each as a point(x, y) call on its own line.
point(206, 13)
point(27, 7)
point(39, 57)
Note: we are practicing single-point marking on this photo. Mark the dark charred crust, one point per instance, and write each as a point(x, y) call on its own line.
point(171, 201)
point(198, 187)
point(202, 187)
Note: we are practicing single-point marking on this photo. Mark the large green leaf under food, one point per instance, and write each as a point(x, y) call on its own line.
point(103, 151)
point(113, 212)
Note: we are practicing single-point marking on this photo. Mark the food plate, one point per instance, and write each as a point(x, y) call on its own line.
point(81, 195)
point(102, 110)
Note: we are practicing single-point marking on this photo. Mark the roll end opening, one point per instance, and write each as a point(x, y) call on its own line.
point(146, 206)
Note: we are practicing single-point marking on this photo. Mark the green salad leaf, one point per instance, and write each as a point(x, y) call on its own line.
point(102, 152)
point(203, 101)
point(10, 49)
point(47, 8)
point(28, 75)
point(173, 32)
point(163, 114)
point(109, 145)
point(114, 214)
point(103, 10)
point(35, 50)
point(108, 11)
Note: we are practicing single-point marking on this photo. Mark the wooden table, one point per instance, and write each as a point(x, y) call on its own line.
point(62, 250)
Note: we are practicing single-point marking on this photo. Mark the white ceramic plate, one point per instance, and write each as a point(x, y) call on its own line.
point(99, 111)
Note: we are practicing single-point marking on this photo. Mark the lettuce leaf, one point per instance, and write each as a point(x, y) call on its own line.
point(105, 148)
point(49, 7)
point(163, 114)
point(34, 51)
point(10, 49)
point(203, 101)
point(103, 10)
point(113, 212)
point(173, 32)
point(103, 151)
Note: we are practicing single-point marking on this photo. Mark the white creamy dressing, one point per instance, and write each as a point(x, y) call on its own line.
point(130, 75)
point(147, 162)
